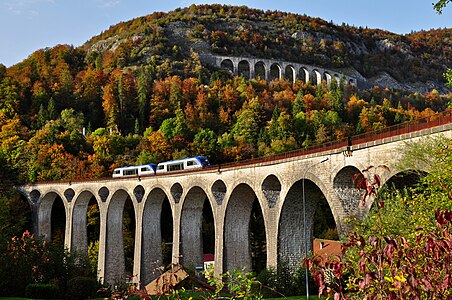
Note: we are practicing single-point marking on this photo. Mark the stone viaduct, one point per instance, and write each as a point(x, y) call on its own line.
point(270, 69)
point(286, 187)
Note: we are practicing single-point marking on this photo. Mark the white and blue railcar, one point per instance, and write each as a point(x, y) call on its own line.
point(182, 164)
point(141, 170)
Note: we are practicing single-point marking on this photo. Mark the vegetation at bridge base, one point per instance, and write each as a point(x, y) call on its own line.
point(29, 260)
point(283, 281)
point(41, 291)
point(403, 249)
point(80, 288)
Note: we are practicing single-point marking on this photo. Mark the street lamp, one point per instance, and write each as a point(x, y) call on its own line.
point(304, 223)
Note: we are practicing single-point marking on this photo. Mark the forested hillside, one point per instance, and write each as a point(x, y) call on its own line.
point(138, 93)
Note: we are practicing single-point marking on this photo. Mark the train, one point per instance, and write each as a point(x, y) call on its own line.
point(182, 164)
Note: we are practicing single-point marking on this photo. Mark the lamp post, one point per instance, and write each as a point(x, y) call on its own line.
point(304, 222)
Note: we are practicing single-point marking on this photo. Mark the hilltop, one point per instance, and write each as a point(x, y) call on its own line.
point(414, 62)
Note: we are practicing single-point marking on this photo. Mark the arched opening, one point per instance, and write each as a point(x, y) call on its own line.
point(128, 231)
point(241, 239)
point(271, 187)
point(196, 222)
point(260, 70)
point(348, 193)
point(316, 77)
point(324, 223)
point(293, 245)
point(52, 219)
point(157, 236)
point(58, 222)
point(219, 191)
point(244, 69)
point(93, 233)
point(404, 180)
point(227, 65)
point(86, 228)
point(120, 242)
point(191, 228)
point(176, 192)
point(290, 73)
point(208, 232)
point(275, 72)
point(258, 242)
point(303, 75)
point(166, 223)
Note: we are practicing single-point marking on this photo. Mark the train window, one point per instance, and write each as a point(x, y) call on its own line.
point(117, 172)
point(160, 167)
point(131, 172)
point(190, 163)
point(144, 169)
point(175, 167)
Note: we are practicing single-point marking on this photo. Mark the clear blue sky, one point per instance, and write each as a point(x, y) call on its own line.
point(29, 25)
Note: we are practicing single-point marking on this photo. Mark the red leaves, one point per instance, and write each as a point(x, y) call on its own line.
point(390, 267)
point(370, 187)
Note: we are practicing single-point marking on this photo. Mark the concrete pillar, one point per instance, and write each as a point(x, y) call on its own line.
point(176, 233)
point(235, 64)
point(268, 71)
point(271, 227)
point(103, 211)
point(77, 217)
point(114, 252)
point(45, 217)
point(68, 226)
point(138, 242)
point(151, 236)
point(237, 249)
point(191, 228)
point(219, 238)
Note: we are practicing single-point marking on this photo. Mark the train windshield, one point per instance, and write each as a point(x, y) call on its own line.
point(204, 161)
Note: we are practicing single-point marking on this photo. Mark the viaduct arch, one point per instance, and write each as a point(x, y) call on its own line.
point(271, 69)
point(230, 191)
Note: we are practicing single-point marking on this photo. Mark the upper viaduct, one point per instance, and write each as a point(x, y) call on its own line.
point(286, 187)
point(271, 69)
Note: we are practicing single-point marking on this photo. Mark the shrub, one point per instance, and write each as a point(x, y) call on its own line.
point(41, 291)
point(81, 288)
point(284, 281)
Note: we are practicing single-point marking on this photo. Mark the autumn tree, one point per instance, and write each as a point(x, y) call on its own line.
point(144, 85)
point(52, 153)
point(205, 143)
point(154, 147)
point(246, 129)
point(110, 105)
point(127, 96)
point(88, 92)
point(13, 137)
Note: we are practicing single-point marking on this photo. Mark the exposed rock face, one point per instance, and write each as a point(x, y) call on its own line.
point(110, 43)
point(375, 57)
point(386, 80)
